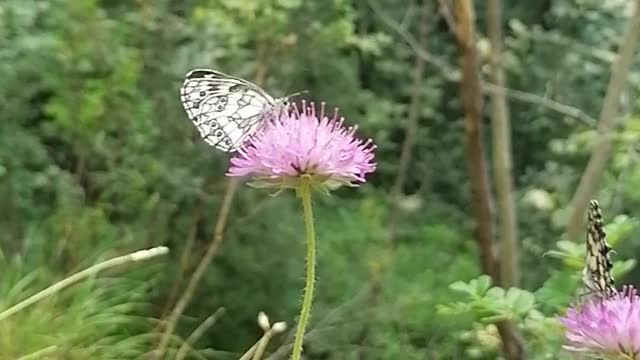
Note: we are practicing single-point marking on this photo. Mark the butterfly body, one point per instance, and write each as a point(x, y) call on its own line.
point(597, 268)
point(226, 110)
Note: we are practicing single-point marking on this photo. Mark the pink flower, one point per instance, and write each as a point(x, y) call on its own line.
point(297, 143)
point(606, 327)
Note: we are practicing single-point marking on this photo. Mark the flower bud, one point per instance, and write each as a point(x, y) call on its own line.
point(263, 321)
point(279, 327)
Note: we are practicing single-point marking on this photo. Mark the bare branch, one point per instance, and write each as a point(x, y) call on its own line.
point(194, 281)
point(197, 334)
point(542, 101)
point(184, 259)
point(449, 72)
point(452, 74)
point(445, 12)
point(411, 127)
point(608, 116)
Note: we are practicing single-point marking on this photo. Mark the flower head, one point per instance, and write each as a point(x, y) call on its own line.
point(608, 327)
point(296, 144)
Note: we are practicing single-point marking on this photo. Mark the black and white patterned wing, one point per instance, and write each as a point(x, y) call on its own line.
point(597, 263)
point(224, 109)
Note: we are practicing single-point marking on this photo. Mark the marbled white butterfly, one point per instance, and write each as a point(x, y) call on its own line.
point(226, 110)
point(596, 275)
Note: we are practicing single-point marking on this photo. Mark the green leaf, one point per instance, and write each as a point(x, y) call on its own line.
point(481, 284)
point(620, 268)
point(463, 287)
point(520, 301)
point(496, 293)
point(558, 289)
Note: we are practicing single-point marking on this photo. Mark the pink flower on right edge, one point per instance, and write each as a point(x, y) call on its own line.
point(298, 143)
point(606, 327)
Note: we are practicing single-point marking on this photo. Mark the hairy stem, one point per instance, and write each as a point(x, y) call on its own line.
point(304, 192)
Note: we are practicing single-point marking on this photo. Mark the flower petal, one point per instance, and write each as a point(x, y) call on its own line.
point(297, 143)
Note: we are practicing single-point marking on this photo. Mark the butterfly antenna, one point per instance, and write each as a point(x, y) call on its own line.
point(298, 93)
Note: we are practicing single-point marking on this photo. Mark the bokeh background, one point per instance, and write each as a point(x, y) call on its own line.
point(98, 159)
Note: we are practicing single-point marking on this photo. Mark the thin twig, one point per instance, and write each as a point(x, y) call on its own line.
point(120, 260)
point(604, 55)
point(197, 333)
point(214, 245)
point(445, 12)
point(448, 71)
point(184, 259)
point(524, 96)
point(411, 128)
point(256, 208)
point(452, 74)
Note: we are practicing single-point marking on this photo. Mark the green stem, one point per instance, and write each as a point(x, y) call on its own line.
point(90, 271)
point(304, 192)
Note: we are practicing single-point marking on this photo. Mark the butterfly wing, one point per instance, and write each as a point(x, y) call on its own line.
point(226, 121)
point(597, 265)
point(224, 109)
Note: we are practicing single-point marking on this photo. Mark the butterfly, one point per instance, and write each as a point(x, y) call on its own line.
point(597, 263)
point(226, 110)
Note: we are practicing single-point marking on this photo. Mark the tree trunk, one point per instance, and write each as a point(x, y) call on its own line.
point(502, 162)
point(471, 92)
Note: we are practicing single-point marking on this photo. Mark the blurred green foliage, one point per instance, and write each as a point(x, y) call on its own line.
point(97, 159)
